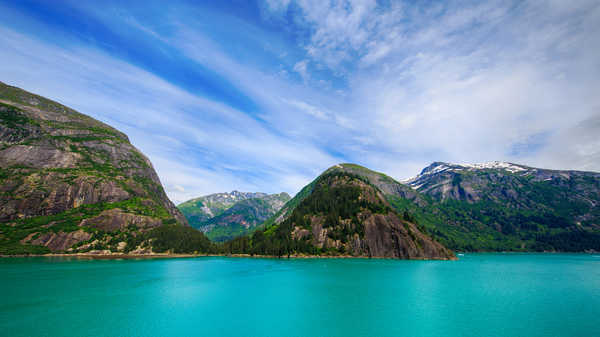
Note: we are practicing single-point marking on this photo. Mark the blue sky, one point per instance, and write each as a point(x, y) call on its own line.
point(263, 96)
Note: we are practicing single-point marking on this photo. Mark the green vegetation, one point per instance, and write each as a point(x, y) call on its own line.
point(13, 118)
point(179, 239)
point(16, 95)
point(240, 219)
point(541, 218)
point(290, 205)
point(15, 248)
point(514, 212)
point(68, 221)
point(194, 210)
point(337, 202)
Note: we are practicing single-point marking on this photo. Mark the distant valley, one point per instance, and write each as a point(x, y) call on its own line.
point(223, 216)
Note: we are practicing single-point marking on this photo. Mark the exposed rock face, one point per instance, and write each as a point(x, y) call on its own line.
point(502, 181)
point(60, 241)
point(348, 214)
point(113, 220)
point(66, 175)
point(223, 216)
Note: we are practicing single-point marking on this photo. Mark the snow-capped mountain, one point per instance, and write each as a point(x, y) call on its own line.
point(440, 167)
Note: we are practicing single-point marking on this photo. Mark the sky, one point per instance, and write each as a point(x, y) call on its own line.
point(264, 96)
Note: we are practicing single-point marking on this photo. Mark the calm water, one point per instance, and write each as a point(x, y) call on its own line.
point(480, 295)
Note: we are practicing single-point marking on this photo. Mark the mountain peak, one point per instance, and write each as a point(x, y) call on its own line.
point(439, 167)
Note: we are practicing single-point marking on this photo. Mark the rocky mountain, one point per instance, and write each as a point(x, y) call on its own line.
point(223, 216)
point(490, 207)
point(505, 206)
point(342, 212)
point(71, 183)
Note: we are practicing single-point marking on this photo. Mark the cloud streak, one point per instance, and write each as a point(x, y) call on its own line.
point(300, 85)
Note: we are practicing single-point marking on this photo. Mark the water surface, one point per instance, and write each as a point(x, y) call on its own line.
point(479, 295)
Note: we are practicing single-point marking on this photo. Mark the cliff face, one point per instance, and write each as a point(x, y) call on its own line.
point(67, 179)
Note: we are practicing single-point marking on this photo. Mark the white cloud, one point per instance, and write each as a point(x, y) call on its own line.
point(301, 68)
point(154, 115)
point(307, 108)
point(392, 86)
point(277, 5)
point(462, 81)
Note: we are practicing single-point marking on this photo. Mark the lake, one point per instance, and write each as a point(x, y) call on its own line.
point(478, 295)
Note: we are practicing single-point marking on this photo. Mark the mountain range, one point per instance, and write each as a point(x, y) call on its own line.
point(223, 216)
point(72, 184)
point(494, 206)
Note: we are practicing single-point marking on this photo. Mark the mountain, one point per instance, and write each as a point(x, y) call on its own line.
point(387, 185)
point(490, 207)
point(506, 206)
point(71, 183)
point(342, 212)
point(200, 210)
point(223, 216)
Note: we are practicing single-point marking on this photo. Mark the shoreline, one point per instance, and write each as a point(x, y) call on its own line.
point(160, 255)
point(116, 256)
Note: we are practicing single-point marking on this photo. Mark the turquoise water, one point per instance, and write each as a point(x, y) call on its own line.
point(479, 295)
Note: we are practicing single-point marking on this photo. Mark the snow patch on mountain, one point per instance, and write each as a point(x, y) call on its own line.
point(439, 167)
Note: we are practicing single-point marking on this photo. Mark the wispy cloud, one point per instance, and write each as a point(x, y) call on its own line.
point(264, 96)
point(194, 143)
point(469, 81)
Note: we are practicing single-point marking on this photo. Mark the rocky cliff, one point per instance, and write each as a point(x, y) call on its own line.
point(69, 182)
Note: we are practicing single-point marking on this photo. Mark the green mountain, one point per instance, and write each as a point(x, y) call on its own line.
point(199, 210)
point(345, 213)
point(69, 183)
point(223, 216)
point(491, 207)
point(505, 206)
